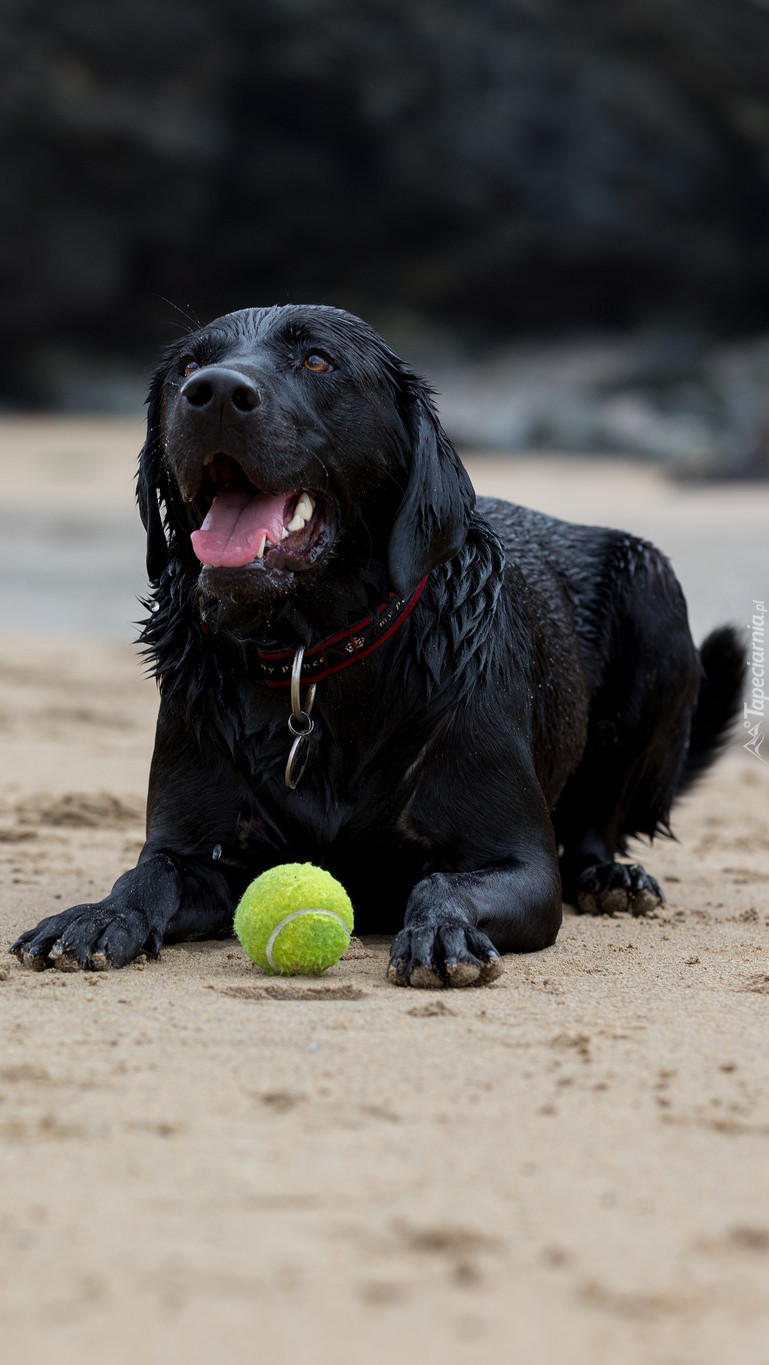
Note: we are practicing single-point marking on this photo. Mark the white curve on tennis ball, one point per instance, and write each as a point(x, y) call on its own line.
point(297, 915)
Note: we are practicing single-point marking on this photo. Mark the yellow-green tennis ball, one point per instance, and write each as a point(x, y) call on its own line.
point(295, 919)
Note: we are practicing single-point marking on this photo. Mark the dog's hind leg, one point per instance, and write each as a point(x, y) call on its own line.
point(638, 736)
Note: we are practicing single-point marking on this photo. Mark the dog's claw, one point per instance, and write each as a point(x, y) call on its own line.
point(154, 944)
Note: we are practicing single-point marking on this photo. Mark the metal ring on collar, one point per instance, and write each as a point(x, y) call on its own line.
point(297, 712)
point(301, 724)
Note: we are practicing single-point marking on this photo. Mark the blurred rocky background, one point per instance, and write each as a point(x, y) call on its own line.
point(560, 211)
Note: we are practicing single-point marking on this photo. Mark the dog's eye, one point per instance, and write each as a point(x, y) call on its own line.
point(188, 367)
point(317, 363)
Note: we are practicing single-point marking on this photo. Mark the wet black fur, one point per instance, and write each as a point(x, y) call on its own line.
point(542, 697)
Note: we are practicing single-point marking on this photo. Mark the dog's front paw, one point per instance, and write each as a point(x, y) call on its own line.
point(451, 953)
point(87, 937)
point(614, 888)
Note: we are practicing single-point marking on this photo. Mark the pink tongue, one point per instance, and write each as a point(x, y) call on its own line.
point(236, 523)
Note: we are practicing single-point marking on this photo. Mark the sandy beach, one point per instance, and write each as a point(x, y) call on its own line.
point(199, 1162)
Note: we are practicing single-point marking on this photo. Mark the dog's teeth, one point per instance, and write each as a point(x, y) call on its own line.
point(284, 533)
point(260, 551)
point(296, 523)
point(305, 507)
point(209, 459)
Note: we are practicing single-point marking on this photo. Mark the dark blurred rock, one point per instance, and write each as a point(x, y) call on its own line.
point(494, 168)
point(667, 397)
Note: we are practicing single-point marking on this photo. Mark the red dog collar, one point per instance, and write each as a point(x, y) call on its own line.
point(343, 649)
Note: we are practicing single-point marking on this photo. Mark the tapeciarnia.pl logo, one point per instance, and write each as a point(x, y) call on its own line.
point(754, 710)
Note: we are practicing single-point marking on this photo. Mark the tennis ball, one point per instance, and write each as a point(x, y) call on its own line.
point(295, 919)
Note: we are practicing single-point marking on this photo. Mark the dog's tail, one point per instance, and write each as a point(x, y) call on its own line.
point(719, 703)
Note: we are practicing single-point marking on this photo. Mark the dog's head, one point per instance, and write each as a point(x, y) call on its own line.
point(290, 456)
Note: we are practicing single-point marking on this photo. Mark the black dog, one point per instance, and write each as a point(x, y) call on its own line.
point(494, 687)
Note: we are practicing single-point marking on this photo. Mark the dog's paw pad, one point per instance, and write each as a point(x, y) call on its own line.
point(426, 978)
point(63, 960)
point(612, 902)
point(491, 969)
point(34, 962)
point(396, 973)
point(644, 902)
point(462, 973)
point(646, 894)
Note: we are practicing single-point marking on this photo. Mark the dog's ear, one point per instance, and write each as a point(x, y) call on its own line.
point(148, 485)
point(432, 520)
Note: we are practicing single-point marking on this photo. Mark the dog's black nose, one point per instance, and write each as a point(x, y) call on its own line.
point(217, 387)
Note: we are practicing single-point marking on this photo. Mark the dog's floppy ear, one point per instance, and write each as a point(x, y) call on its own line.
point(432, 521)
point(147, 485)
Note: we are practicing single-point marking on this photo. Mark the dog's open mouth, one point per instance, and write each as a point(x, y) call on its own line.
point(246, 526)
